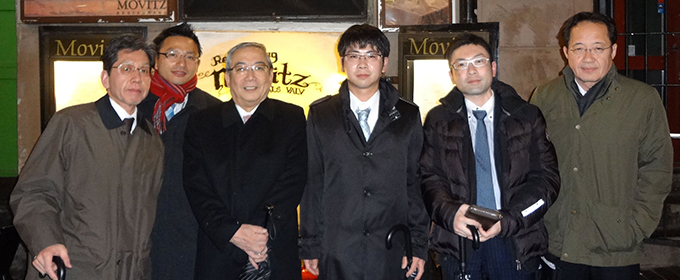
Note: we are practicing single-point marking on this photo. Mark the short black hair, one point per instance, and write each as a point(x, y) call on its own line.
point(591, 17)
point(364, 35)
point(131, 42)
point(467, 39)
point(183, 30)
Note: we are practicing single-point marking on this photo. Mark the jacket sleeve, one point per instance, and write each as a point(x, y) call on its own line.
point(439, 201)
point(418, 220)
point(213, 216)
point(655, 170)
point(533, 198)
point(36, 200)
point(311, 206)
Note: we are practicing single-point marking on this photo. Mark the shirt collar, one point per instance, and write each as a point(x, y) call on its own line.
point(355, 103)
point(242, 112)
point(580, 88)
point(122, 114)
point(488, 106)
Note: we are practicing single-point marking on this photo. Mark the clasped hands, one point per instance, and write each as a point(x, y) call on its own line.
point(252, 239)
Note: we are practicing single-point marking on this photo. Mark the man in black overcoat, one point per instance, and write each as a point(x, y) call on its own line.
point(245, 166)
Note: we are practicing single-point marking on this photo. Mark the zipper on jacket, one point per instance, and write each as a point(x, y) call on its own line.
point(519, 265)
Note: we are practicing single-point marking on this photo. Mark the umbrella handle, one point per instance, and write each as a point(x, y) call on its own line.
point(61, 268)
point(475, 237)
point(408, 245)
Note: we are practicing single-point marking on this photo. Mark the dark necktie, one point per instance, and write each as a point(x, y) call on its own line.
point(485, 196)
point(127, 123)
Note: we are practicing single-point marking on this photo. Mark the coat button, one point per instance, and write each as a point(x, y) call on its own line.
point(565, 255)
point(366, 233)
point(367, 193)
point(573, 212)
point(575, 169)
point(123, 133)
point(367, 154)
point(578, 126)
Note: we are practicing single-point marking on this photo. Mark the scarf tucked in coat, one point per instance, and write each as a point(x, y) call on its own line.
point(168, 94)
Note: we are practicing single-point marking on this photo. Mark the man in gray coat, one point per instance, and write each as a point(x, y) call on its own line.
point(88, 191)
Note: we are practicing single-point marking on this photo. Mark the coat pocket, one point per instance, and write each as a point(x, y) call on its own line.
point(613, 230)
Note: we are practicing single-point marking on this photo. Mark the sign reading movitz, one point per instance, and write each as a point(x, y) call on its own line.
point(76, 11)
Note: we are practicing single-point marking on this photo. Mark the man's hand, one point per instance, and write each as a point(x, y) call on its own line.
point(417, 263)
point(43, 261)
point(312, 266)
point(252, 240)
point(460, 223)
point(491, 233)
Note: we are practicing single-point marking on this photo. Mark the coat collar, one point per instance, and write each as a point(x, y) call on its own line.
point(230, 114)
point(111, 119)
point(504, 94)
point(389, 96)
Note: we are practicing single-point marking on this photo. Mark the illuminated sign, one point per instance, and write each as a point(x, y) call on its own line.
point(306, 65)
point(76, 11)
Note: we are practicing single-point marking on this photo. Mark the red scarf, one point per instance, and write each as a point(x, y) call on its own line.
point(168, 94)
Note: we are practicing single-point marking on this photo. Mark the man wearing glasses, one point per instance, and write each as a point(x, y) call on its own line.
point(245, 166)
point(88, 191)
point(486, 146)
point(174, 97)
point(615, 154)
point(364, 144)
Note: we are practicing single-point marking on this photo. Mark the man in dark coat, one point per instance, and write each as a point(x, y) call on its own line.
point(88, 191)
point(245, 166)
point(174, 97)
point(486, 146)
point(364, 145)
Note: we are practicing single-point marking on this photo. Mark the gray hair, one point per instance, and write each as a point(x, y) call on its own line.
point(231, 52)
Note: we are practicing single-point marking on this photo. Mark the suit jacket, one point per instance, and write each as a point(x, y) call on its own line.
point(92, 187)
point(175, 223)
point(232, 171)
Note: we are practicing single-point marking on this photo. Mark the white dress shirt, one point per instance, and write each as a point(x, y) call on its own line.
point(373, 103)
point(122, 114)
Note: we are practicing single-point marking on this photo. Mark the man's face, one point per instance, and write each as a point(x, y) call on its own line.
point(589, 67)
point(473, 80)
point(250, 79)
point(363, 67)
point(180, 69)
point(128, 88)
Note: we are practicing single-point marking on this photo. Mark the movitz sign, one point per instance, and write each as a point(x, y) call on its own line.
point(301, 75)
point(77, 47)
point(76, 11)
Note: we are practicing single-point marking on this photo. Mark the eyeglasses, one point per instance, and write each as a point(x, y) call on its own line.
point(126, 69)
point(464, 64)
point(579, 51)
point(357, 56)
point(175, 56)
point(242, 69)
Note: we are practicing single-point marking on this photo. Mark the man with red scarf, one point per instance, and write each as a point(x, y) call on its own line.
point(174, 97)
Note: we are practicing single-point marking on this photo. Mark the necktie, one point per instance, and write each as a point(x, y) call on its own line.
point(485, 196)
point(127, 122)
point(246, 118)
point(363, 121)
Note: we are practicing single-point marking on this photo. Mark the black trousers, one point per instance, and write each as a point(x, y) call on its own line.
point(568, 271)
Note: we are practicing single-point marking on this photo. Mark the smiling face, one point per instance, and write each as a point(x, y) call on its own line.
point(363, 74)
point(182, 70)
point(128, 90)
point(248, 88)
point(589, 68)
point(473, 81)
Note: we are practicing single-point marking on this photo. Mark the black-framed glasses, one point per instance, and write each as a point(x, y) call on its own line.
point(175, 56)
point(243, 69)
point(355, 56)
point(579, 51)
point(129, 68)
point(476, 62)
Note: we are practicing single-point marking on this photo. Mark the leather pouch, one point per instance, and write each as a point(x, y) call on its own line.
point(485, 216)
